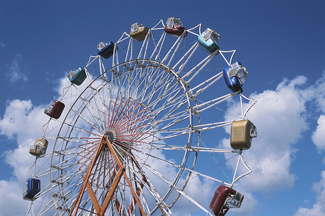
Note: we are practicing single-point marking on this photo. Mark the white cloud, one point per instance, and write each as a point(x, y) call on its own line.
point(315, 211)
point(22, 123)
point(280, 119)
point(318, 208)
point(319, 93)
point(11, 199)
point(318, 136)
point(248, 205)
point(19, 114)
point(279, 115)
point(16, 71)
point(319, 188)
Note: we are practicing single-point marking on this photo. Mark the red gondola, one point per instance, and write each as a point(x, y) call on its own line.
point(55, 109)
point(223, 199)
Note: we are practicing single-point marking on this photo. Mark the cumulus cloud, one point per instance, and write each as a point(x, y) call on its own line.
point(319, 188)
point(315, 211)
point(16, 71)
point(318, 208)
point(319, 93)
point(318, 136)
point(21, 123)
point(280, 117)
point(12, 202)
point(18, 114)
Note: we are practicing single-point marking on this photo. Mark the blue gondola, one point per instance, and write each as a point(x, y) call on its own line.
point(105, 50)
point(235, 75)
point(78, 76)
point(209, 40)
point(33, 187)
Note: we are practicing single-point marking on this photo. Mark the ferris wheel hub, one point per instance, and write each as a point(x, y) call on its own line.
point(111, 134)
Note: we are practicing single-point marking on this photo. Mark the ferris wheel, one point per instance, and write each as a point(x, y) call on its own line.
point(126, 136)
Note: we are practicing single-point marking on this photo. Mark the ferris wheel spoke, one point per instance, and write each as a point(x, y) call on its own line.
point(149, 81)
point(65, 162)
point(191, 199)
point(64, 177)
point(130, 127)
point(43, 173)
point(174, 100)
point(206, 84)
point(148, 185)
point(118, 111)
point(103, 112)
point(160, 135)
point(185, 60)
point(204, 127)
point(159, 44)
point(175, 119)
point(175, 48)
point(163, 95)
point(86, 159)
point(129, 51)
point(165, 180)
point(169, 111)
point(145, 134)
point(169, 147)
point(128, 114)
point(144, 46)
point(97, 110)
point(191, 171)
point(50, 204)
point(206, 105)
point(116, 83)
point(98, 128)
point(202, 64)
point(161, 88)
point(80, 129)
point(143, 114)
point(139, 71)
point(152, 93)
point(126, 88)
point(115, 60)
point(71, 139)
point(78, 149)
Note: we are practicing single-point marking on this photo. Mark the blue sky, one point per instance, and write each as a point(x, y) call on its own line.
point(281, 43)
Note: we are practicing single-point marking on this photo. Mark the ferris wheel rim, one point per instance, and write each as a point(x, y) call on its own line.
point(166, 69)
point(168, 65)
